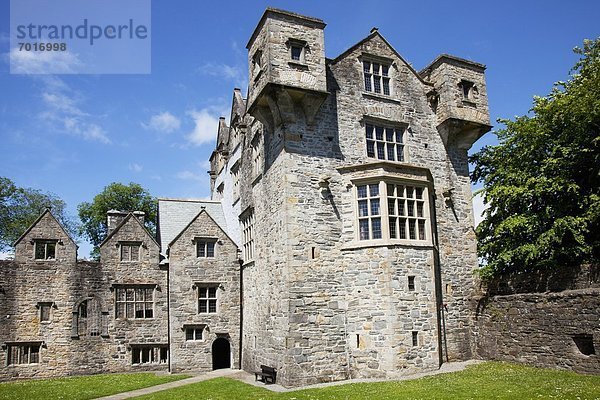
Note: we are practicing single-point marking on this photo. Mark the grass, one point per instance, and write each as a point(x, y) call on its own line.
point(491, 380)
point(83, 387)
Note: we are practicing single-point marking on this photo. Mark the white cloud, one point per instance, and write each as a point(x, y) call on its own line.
point(63, 110)
point(43, 62)
point(221, 70)
point(206, 124)
point(190, 176)
point(135, 167)
point(164, 122)
point(478, 208)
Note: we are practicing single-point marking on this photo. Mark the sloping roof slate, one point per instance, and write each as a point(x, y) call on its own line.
point(174, 215)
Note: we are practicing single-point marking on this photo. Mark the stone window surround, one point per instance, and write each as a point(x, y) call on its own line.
point(45, 307)
point(247, 222)
point(102, 317)
point(404, 173)
point(149, 353)
point(257, 155)
point(20, 349)
point(293, 46)
point(45, 243)
point(388, 79)
point(208, 246)
point(235, 176)
point(384, 215)
point(186, 328)
point(257, 65)
point(386, 124)
point(130, 245)
point(145, 286)
point(198, 286)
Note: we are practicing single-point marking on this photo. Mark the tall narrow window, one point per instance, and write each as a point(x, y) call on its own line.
point(45, 249)
point(369, 215)
point(385, 143)
point(248, 235)
point(411, 283)
point(377, 77)
point(415, 338)
point(207, 299)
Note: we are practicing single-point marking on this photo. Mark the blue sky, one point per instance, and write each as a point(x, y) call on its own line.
point(74, 134)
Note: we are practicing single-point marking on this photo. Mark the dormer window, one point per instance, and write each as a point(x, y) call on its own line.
point(377, 77)
point(45, 249)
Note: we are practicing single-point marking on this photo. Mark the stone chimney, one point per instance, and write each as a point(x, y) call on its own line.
point(140, 216)
point(113, 219)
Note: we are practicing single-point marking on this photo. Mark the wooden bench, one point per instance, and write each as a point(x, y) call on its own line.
point(266, 374)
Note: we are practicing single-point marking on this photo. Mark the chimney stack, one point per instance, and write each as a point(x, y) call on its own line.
point(113, 219)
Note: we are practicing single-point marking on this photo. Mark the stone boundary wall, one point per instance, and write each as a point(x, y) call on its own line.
point(551, 329)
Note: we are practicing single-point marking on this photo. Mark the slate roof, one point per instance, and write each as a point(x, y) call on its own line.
point(174, 215)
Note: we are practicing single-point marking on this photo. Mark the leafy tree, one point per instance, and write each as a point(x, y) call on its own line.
point(115, 196)
point(20, 207)
point(542, 182)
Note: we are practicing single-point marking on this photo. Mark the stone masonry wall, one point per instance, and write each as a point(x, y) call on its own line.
point(187, 272)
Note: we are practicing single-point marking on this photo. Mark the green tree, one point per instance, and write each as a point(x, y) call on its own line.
point(20, 207)
point(115, 196)
point(542, 181)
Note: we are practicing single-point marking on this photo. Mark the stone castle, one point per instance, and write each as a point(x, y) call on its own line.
point(338, 243)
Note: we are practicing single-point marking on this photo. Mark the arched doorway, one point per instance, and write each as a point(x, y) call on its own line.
point(221, 353)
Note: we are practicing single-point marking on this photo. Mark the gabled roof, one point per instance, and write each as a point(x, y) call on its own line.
point(222, 134)
point(46, 211)
point(174, 215)
point(375, 33)
point(202, 211)
point(118, 227)
point(238, 105)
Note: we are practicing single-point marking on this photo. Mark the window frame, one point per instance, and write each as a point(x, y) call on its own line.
point(380, 75)
point(397, 129)
point(207, 244)
point(247, 222)
point(122, 313)
point(154, 353)
point(45, 306)
point(45, 242)
point(208, 300)
point(301, 46)
point(20, 349)
point(129, 245)
point(194, 328)
point(384, 214)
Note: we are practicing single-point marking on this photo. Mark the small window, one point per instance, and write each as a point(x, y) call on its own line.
point(256, 63)
point(130, 252)
point(384, 143)
point(415, 338)
point(45, 249)
point(468, 89)
point(411, 283)
point(23, 353)
point(194, 333)
point(296, 53)
point(207, 299)
point(44, 311)
point(205, 248)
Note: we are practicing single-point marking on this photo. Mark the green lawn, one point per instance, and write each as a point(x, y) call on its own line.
point(83, 387)
point(487, 381)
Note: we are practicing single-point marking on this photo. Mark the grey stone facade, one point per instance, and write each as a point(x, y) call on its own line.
point(322, 302)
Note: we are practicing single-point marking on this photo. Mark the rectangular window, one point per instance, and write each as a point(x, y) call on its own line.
point(377, 79)
point(257, 154)
point(403, 215)
point(296, 52)
point(235, 176)
point(385, 143)
point(23, 353)
point(193, 333)
point(130, 252)
point(415, 338)
point(205, 248)
point(248, 236)
point(134, 302)
point(411, 283)
point(369, 217)
point(44, 311)
point(145, 354)
point(207, 299)
point(45, 249)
